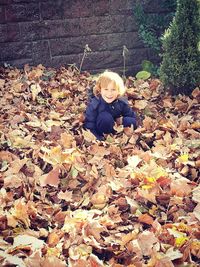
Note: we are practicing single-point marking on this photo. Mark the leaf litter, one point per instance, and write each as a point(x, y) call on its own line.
point(70, 200)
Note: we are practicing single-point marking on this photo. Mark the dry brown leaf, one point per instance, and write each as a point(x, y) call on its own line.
point(145, 218)
point(51, 178)
point(140, 104)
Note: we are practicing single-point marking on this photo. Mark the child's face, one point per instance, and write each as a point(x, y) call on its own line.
point(109, 93)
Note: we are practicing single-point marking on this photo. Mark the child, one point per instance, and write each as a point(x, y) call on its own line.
point(108, 107)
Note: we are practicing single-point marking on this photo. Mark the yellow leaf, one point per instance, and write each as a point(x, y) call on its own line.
point(146, 186)
point(183, 158)
point(88, 136)
point(179, 241)
point(35, 90)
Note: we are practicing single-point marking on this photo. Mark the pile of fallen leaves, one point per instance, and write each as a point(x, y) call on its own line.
point(67, 199)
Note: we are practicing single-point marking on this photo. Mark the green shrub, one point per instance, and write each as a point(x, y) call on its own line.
point(180, 68)
point(151, 26)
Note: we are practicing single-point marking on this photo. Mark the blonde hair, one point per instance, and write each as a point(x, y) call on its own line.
point(105, 78)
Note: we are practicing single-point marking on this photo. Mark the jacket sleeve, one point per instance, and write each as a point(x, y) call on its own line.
point(128, 112)
point(91, 117)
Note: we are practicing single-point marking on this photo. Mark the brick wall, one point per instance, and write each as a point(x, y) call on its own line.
point(55, 32)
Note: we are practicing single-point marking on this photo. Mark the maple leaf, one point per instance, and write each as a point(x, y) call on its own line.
point(67, 195)
point(173, 254)
point(53, 261)
point(20, 212)
point(145, 218)
point(35, 90)
point(51, 178)
point(196, 194)
point(180, 187)
point(27, 240)
point(9, 259)
point(133, 161)
point(196, 211)
point(140, 104)
point(146, 241)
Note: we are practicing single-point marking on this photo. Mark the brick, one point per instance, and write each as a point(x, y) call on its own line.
point(25, 1)
point(130, 24)
point(124, 7)
point(9, 32)
point(52, 10)
point(65, 60)
point(15, 50)
point(2, 14)
point(85, 8)
point(136, 56)
point(104, 60)
point(67, 46)
point(116, 41)
point(19, 63)
point(41, 52)
point(155, 6)
point(3, 33)
point(50, 29)
point(5, 2)
point(22, 12)
point(107, 24)
point(129, 71)
point(96, 42)
point(101, 8)
point(66, 9)
point(13, 32)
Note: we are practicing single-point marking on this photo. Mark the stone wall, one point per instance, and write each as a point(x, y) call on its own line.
point(55, 32)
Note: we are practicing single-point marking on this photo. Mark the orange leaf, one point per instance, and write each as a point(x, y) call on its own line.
point(145, 218)
point(52, 178)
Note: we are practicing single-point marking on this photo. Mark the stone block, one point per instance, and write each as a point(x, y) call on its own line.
point(41, 52)
point(66, 9)
point(130, 24)
point(105, 59)
point(107, 24)
point(24, 1)
point(13, 32)
point(101, 8)
point(19, 63)
point(53, 10)
point(22, 12)
point(116, 41)
point(50, 29)
point(124, 7)
point(136, 56)
point(3, 33)
point(2, 14)
point(9, 32)
point(15, 50)
point(66, 46)
point(154, 6)
point(5, 2)
point(59, 61)
point(96, 42)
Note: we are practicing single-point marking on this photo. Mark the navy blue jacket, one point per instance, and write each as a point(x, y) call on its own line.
point(118, 108)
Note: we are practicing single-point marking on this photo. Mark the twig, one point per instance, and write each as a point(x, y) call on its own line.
point(87, 49)
point(124, 53)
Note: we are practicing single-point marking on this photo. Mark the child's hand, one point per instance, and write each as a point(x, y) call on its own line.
point(119, 121)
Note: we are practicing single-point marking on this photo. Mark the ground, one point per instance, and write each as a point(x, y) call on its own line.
point(70, 200)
